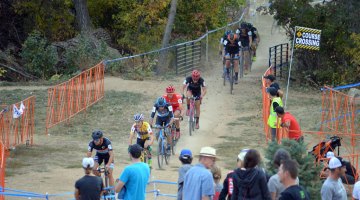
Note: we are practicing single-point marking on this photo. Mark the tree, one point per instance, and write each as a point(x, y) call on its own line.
point(82, 16)
point(167, 35)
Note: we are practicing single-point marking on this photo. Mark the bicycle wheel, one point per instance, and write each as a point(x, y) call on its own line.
point(173, 139)
point(194, 120)
point(224, 74)
point(166, 154)
point(160, 156)
point(191, 119)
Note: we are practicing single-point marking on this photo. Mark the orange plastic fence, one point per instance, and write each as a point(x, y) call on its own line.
point(2, 168)
point(20, 130)
point(266, 104)
point(75, 95)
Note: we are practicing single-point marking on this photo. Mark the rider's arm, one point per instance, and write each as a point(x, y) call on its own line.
point(152, 115)
point(131, 137)
point(119, 186)
point(77, 194)
point(203, 87)
point(90, 148)
point(111, 158)
point(151, 135)
point(171, 114)
point(184, 86)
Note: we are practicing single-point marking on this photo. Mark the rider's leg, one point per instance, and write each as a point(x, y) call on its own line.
point(111, 177)
point(177, 114)
point(236, 68)
point(197, 117)
point(95, 168)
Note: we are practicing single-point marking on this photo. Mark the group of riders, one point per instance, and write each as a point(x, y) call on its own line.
point(167, 108)
point(246, 39)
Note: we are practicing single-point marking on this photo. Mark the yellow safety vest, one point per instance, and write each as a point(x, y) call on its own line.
point(272, 117)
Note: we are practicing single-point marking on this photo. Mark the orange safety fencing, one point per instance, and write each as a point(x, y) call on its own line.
point(266, 103)
point(2, 168)
point(17, 123)
point(75, 95)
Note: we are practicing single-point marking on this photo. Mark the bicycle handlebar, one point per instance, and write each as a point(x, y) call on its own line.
point(159, 126)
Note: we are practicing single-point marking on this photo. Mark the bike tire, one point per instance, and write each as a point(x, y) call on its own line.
point(232, 79)
point(160, 155)
point(190, 122)
point(173, 139)
point(224, 75)
point(166, 154)
point(194, 120)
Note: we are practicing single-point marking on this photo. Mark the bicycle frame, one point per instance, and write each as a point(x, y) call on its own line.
point(162, 145)
point(109, 191)
point(231, 59)
point(192, 114)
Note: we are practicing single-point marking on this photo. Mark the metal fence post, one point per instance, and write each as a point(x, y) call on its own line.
point(192, 55)
point(269, 56)
point(281, 60)
point(275, 64)
point(176, 61)
point(185, 57)
point(207, 46)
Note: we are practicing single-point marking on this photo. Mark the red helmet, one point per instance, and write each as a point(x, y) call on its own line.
point(195, 74)
point(170, 89)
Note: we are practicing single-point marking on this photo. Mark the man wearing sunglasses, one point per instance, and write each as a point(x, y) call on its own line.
point(104, 153)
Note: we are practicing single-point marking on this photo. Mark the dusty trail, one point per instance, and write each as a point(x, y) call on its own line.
point(218, 109)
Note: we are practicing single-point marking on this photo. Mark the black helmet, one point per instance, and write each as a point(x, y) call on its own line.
point(97, 134)
point(161, 102)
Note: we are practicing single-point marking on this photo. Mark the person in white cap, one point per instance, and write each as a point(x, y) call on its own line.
point(350, 174)
point(198, 181)
point(356, 191)
point(228, 185)
point(333, 189)
point(89, 187)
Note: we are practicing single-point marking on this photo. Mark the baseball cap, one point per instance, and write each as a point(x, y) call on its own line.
point(270, 77)
point(272, 91)
point(208, 152)
point(242, 154)
point(88, 162)
point(330, 154)
point(185, 153)
point(335, 162)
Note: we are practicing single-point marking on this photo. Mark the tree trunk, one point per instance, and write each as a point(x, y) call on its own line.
point(165, 42)
point(82, 16)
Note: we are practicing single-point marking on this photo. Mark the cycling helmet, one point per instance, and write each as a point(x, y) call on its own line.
point(161, 102)
point(138, 117)
point(243, 24)
point(170, 89)
point(97, 135)
point(232, 37)
point(249, 25)
point(228, 32)
point(195, 74)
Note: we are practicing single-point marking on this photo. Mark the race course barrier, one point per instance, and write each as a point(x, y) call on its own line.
point(75, 95)
point(2, 168)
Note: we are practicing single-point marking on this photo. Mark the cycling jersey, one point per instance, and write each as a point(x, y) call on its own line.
point(244, 34)
point(232, 47)
point(253, 33)
point(142, 132)
point(102, 151)
point(195, 88)
point(164, 116)
point(175, 101)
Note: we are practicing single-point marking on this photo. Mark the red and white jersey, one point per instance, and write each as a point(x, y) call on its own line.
point(175, 101)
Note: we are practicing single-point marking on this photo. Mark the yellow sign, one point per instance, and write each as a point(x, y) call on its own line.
point(307, 38)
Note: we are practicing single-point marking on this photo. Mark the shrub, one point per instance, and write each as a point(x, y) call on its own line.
point(39, 56)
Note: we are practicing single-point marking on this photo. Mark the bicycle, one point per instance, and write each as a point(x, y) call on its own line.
point(109, 192)
point(145, 155)
point(174, 138)
point(231, 78)
point(192, 114)
point(162, 146)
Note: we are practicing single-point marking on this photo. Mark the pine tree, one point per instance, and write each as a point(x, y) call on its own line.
point(308, 172)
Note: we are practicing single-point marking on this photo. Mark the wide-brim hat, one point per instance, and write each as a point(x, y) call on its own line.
point(208, 152)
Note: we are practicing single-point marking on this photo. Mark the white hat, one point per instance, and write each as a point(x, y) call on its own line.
point(242, 154)
point(330, 154)
point(208, 151)
point(88, 162)
point(335, 163)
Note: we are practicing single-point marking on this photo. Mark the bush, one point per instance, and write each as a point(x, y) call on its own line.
point(40, 58)
point(308, 172)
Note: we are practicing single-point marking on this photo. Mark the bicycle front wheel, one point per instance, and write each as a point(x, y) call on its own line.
point(191, 121)
point(232, 79)
point(160, 155)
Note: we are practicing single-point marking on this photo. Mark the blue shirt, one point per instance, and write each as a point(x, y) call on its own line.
point(198, 182)
point(135, 177)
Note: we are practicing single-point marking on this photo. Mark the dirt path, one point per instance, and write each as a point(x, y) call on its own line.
point(219, 108)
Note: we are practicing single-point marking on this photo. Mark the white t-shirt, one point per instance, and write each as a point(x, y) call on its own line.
point(356, 191)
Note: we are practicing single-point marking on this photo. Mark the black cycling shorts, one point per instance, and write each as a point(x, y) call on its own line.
point(162, 121)
point(196, 94)
point(141, 142)
point(100, 158)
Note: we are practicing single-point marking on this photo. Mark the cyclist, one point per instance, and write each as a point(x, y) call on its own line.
point(221, 45)
point(245, 37)
point(104, 152)
point(144, 134)
point(164, 116)
point(175, 100)
point(195, 87)
point(232, 49)
point(255, 39)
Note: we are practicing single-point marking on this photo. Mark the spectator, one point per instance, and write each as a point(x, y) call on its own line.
point(332, 188)
point(228, 185)
point(356, 191)
point(250, 181)
point(270, 81)
point(288, 173)
point(274, 184)
point(350, 173)
point(186, 160)
point(135, 176)
point(89, 187)
point(198, 182)
point(272, 120)
point(216, 172)
point(289, 122)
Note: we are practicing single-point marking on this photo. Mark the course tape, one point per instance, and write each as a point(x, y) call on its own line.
point(343, 87)
point(339, 117)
